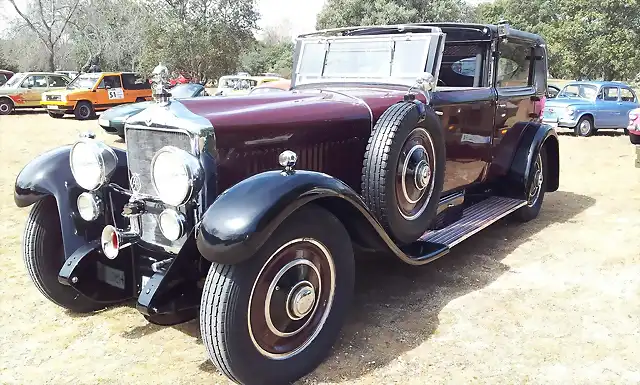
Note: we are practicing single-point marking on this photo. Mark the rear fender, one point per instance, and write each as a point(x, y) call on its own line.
point(532, 137)
point(238, 223)
point(50, 175)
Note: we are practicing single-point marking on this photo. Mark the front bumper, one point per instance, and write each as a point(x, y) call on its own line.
point(565, 121)
point(58, 106)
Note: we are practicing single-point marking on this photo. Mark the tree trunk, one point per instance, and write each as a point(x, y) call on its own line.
point(51, 60)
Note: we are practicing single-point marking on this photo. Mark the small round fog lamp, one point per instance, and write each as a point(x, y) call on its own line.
point(89, 206)
point(171, 224)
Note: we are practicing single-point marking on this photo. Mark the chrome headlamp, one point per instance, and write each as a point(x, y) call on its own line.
point(92, 163)
point(177, 175)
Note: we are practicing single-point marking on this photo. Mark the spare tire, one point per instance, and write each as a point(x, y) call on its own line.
point(403, 171)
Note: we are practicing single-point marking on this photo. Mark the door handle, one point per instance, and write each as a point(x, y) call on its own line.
point(502, 105)
point(439, 113)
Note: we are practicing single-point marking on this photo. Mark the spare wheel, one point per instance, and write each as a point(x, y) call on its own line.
point(403, 171)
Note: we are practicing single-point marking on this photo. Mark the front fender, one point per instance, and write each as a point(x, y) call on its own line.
point(236, 225)
point(50, 175)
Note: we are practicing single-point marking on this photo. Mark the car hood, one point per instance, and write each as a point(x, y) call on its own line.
point(564, 102)
point(124, 111)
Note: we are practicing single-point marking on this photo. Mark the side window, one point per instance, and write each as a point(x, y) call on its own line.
point(57, 81)
point(134, 82)
point(111, 81)
point(34, 81)
point(610, 94)
point(627, 95)
point(514, 65)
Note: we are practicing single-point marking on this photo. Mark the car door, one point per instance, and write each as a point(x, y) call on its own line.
point(110, 91)
point(628, 101)
point(33, 86)
point(607, 108)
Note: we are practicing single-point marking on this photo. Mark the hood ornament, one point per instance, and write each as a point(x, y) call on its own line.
point(159, 84)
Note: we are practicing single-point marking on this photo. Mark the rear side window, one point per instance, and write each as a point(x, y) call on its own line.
point(514, 65)
point(610, 94)
point(57, 81)
point(627, 95)
point(135, 82)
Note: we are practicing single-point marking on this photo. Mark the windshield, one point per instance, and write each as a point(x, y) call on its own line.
point(184, 90)
point(396, 59)
point(582, 91)
point(84, 81)
point(15, 80)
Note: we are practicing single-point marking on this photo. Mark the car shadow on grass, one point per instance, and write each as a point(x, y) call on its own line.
point(396, 306)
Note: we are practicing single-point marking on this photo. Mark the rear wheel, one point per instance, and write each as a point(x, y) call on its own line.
point(585, 127)
point(43, 255)
point(84, 110)
point(273, 318)
point(537, 187)
point(403, 171)
point(6, 106)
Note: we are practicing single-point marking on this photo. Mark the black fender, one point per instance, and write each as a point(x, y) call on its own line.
point(50, 175)
point(532, 137)
point(238, 223)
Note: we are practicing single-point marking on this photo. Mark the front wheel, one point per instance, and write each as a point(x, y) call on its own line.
point(6, 106)
point(84, 110)
point(43, 256)
point(584, 127)
point(273, 318)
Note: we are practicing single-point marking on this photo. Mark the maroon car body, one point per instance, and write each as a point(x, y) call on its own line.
point(247, 210)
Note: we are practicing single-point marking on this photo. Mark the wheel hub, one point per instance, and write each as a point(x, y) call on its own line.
point(423, 175)
point(301, 300)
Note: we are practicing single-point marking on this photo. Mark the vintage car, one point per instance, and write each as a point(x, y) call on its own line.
point(586, 107)
point(25, 89)
point(96, 91)
point(274, 86)
point(5, 75)
point(248, 210)
point(634, 132)
point(112, 120)
point(552, 91)
point(242, 84)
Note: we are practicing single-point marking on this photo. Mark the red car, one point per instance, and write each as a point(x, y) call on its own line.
point(181, 79)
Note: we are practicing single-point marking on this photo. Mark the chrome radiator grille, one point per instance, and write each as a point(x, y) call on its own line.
point(142, 145)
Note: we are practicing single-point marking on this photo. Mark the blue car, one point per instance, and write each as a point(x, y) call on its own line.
point(587, 107)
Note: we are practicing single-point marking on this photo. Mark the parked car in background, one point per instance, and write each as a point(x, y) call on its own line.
point(275, 86)
point(180, 79)
point(196, 218)
point(91, 92)
point(25, 89)
point(113, 119)
point(634, 126)
point(552, 91)
point(241, 84)
point(5, 75)
point(586, 107)
point(70, 74)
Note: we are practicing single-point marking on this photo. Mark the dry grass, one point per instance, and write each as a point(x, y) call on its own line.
point(554, 301)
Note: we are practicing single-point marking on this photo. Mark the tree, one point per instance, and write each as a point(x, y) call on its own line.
point(269, 57)
point(48, 19)
point(586, 39)
point(344, 13)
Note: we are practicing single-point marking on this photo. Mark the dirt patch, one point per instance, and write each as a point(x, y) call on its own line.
point(551, 301)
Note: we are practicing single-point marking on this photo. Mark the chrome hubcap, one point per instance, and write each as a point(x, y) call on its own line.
point(585, 127)
point(4, 107)
point(301, 300)
point(423, 175)
point(415, 174)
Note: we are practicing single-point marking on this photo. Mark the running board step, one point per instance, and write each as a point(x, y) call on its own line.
point(474, 218)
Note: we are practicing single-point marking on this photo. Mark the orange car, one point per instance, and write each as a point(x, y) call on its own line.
point(91, 92)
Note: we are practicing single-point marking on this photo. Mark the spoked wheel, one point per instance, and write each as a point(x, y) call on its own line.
point(43, 255)
point(274, 318)
point(536, 190)
point(403, 171)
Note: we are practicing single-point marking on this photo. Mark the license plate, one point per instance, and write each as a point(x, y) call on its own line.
point(111, 276)
point(52, 107)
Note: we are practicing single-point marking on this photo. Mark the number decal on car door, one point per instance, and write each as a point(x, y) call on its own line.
point(116, 93)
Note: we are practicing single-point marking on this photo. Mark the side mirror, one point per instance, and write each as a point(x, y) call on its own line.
point(29, 86)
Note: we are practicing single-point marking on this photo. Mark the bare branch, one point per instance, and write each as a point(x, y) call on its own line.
point(26, 19)
point(71, 12)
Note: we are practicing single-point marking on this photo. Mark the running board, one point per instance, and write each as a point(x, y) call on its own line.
point(474, 218)
point(434, 244)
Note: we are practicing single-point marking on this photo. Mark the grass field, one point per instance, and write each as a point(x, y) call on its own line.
point(553, 301)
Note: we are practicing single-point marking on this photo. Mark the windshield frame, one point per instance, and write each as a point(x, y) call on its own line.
point(560, 95)
point(71, 85)
point(431, 57)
